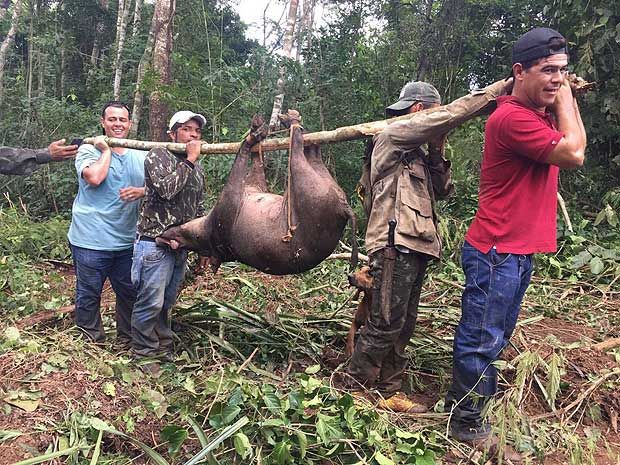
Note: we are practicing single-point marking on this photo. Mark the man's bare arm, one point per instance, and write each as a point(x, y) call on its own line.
point(96, 173)
point(570, 151)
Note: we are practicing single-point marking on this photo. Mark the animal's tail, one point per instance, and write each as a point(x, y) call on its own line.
point(354, 251)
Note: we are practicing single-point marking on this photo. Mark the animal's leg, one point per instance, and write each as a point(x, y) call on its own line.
point(258, 131)
point(229, 203)
point(313, 155)
point(256, 176)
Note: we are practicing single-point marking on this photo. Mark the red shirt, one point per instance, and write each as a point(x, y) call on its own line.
point(518, 190)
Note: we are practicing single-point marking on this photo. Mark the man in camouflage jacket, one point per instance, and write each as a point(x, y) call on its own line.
point(26, 161)
point(174, 188)
point(403, 182)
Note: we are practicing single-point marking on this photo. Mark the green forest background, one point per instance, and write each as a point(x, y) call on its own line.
point(347, 71)
point(257, 355)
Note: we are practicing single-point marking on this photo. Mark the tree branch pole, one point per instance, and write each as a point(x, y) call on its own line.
point(346, 133)
point(567, 220)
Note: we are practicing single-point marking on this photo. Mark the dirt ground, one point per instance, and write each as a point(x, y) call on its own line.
point(588, 401)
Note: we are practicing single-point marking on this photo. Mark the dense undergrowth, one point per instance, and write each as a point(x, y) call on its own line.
point(259, 358)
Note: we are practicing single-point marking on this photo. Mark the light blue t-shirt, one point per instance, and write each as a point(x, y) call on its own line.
point(100, 220)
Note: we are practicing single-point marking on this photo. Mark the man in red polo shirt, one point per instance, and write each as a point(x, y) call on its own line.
point(534, 132)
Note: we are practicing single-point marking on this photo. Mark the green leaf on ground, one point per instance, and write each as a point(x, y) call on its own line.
point(156, 401)
point(302, 439)
point(109, 389)
point(175, 436)
point(328, 428)
point(223, 415)
point(281, 454)
point(242, 444)
point(383, 460)
point(6, 435)
point(597, 265)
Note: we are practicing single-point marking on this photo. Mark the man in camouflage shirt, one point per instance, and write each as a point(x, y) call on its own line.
point(26, 161)
point(174, 188)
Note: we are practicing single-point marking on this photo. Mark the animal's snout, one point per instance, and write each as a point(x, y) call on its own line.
point(361, 279)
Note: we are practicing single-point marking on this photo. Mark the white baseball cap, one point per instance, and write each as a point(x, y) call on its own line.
point(184, 116)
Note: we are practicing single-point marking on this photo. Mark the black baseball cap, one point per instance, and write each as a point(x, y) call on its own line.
point(540, 42)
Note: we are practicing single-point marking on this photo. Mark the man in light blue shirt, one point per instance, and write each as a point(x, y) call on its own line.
point(103, 224)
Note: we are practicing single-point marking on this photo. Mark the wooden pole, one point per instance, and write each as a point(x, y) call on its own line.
point(347, 133)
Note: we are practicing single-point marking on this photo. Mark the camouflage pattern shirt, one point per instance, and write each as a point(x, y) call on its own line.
point(22, 161)
point(174, 188)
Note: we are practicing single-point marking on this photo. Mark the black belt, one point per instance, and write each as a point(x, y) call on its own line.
point(145, 238)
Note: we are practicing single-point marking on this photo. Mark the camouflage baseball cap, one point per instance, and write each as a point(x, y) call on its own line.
point(412, 92)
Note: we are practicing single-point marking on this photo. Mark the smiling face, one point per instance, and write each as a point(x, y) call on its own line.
point(116, 122)
point(538, 86)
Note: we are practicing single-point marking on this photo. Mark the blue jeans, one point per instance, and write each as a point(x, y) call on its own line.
point(92, 267)
point(494, 287)
point(157, 273)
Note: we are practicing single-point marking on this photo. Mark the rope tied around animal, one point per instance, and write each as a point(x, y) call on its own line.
point(290, 226)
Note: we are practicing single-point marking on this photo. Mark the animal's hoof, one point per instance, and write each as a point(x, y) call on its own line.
point(258, 130)
point(292, 117)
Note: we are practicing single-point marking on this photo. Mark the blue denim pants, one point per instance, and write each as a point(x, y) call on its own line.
point(92, 268)
point(157, 273)
point(494, 287)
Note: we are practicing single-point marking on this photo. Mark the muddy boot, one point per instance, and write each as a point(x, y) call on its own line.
point(400, 403)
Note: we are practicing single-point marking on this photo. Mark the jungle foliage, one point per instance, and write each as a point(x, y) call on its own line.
point(277, 404)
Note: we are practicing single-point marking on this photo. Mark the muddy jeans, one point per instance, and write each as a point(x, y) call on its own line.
point(379, 359)
point(494, 287)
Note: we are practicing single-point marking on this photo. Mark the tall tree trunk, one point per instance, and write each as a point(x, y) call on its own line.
point(63, 65)
point(137, 17)
point(8, 40)
point(123, 17)
point(304, 35)
point(138, 98)
point(429, 25)
point(286, 52)
point(40, 74)
point(99, 31)
point(30, 60)
point(162, 51)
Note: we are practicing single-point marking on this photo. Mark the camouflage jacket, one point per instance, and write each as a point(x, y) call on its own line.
point(404, 184)
point(22, 161)
point(174, 188)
